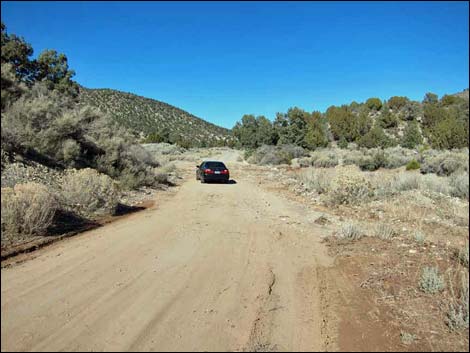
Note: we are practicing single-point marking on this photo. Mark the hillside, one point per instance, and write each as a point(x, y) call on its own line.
point(463, 94)
point(145, 116)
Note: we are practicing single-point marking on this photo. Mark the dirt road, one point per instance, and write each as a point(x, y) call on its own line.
point(216, 267)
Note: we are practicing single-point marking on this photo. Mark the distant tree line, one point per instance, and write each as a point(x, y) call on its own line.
point(443, 123)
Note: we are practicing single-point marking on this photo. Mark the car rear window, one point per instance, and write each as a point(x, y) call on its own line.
point(215, 165)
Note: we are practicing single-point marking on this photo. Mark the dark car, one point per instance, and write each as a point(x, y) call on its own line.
point(212, 171)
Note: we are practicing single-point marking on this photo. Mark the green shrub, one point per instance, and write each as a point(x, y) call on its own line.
point(342, 123)
point(376, 137)
point(342, 143)
point(273, 155)
point(430, 98)
point(27, 209)
point(444, 163)
point(413, 165)
point(411, 111)
point(366, 163)
point(419, 237)
point(449, 133)
point(434, 183)
point(397, 102)
point(464, 254)
point(316, 135)
point(447, 100)
point(407, 338)
point(351, 231)
point(70, 151)
point(305, 162)
point(248, 153)
point(430, 281)
point(273, 158)
point(405, 182)
point(411, 136)
point(12, 87)
point(387, 119)
point(397, 157)
point(374, 103)
point(353, 157)
point(326, 161)
point(372, 163)
point(54, 127)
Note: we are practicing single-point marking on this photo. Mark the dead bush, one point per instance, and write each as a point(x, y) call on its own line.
point(88, 192)
point(27, 209)
point(349, 187)
point(458, 312)
point(445, 162)
point(316, 180)
point(459, 185)
point(274, 155)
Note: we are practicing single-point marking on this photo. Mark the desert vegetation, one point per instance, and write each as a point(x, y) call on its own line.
point(403, 210)
point(394, 172)
point(59, 154)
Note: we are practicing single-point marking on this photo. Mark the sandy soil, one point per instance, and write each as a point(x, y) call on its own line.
point(215, 267)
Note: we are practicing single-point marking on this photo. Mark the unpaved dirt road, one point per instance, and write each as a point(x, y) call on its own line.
point(215, 267)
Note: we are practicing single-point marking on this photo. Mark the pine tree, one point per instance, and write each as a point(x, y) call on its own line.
point(316, 135)
point(412, 136)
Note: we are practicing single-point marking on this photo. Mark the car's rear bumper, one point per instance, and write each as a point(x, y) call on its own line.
point(216, 177)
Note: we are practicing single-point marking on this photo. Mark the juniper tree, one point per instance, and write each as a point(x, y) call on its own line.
point(412, 135)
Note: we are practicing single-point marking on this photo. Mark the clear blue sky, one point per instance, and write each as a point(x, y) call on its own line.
point(220, 60)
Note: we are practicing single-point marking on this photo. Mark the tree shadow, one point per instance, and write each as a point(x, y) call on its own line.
point(67, 221)
point(122, 209)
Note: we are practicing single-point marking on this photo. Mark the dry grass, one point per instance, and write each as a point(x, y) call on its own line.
point(384, 231)
point(463, 254)
point(88, 192)
point(350, 231)
point(27, 209)
point(458, 313)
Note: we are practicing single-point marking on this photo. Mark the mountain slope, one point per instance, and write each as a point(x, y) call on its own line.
point(145, 116)
point(463, 94)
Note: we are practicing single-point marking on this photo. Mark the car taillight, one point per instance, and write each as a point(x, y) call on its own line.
point(225, 171)
point(208, 171)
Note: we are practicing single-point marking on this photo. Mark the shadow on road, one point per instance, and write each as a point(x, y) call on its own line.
point(66, 221)
point(122, 209)
point(231, 181)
